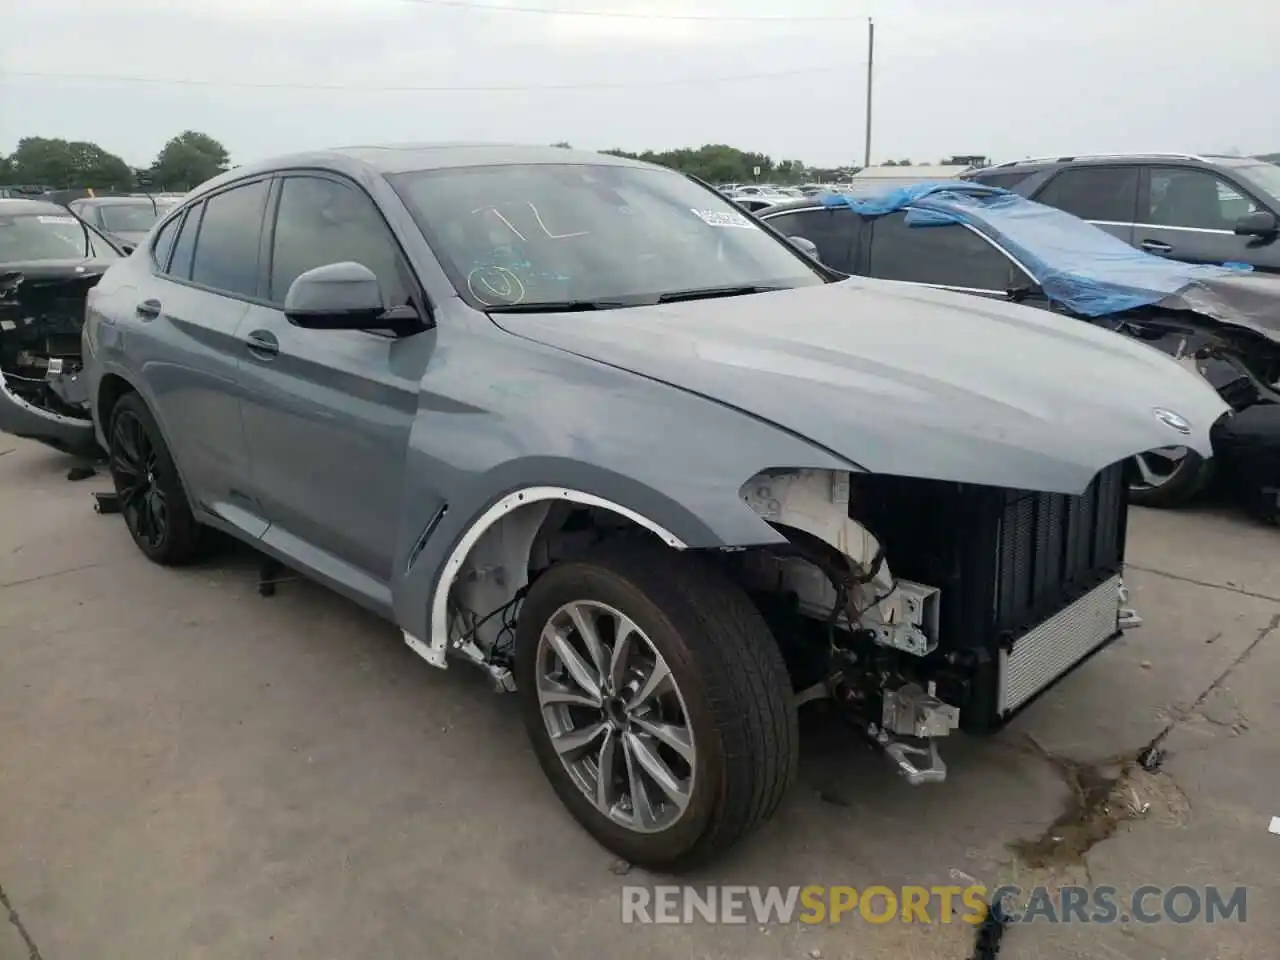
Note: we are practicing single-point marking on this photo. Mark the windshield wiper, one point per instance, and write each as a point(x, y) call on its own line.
point(557, 306)
point(711, 293)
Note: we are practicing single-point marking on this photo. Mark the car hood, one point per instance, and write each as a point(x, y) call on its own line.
point(909, 381)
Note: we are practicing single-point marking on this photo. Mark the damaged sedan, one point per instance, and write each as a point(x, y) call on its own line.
point(580, 422)
point(49, 260)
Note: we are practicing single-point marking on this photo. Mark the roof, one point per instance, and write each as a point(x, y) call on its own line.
point(389, 159)
point(407, 157)
point(920, 172)
point(113, 201)
point(20, 206)
point(1103, 158)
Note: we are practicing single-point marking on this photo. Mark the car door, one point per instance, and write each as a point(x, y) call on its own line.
point(204, 270)
point(952, 256)
point(833, 230)
point(1189, 214)
point(328, 412)
point(1106, 196)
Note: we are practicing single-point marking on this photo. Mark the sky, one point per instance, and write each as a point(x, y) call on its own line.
point(999, 78)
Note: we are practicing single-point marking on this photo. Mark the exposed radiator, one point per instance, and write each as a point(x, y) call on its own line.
point(1048, 651)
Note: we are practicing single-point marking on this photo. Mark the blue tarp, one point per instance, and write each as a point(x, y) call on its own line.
point(1077, 264)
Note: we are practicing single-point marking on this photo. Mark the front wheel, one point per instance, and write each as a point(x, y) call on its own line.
point(1168, 477)
point(657, 702)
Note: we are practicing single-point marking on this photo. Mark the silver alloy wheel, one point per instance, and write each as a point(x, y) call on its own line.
point(615, 716)
point(1157, 467)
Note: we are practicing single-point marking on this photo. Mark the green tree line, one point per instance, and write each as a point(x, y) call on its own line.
point(185, 161)
point(721, 163)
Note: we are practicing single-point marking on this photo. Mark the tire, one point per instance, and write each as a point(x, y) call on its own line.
point(732, 693)
point(147, 484)
point(1186, 480)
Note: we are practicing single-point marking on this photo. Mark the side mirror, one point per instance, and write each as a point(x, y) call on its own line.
point(1260, 223)
point(336, 296)
point(127, 248)
point(1024, 290)
point(806, 246)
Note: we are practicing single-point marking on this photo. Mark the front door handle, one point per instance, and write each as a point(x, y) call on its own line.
point(1157, 246)
point(148, 309)
point(262, 344)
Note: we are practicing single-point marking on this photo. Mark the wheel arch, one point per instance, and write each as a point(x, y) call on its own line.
point(508, 530)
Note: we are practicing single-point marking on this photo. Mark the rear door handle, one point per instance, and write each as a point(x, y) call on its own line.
point(148, 309)
point(262, 344)
point(1156, 246)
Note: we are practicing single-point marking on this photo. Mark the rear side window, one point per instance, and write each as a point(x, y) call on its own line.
point(833, 232)
point(226, 256)
point(163, 245)
point(185, 246)
point(1094, 193)
point(950, 255)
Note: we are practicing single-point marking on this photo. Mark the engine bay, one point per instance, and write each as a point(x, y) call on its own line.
point(40, 323)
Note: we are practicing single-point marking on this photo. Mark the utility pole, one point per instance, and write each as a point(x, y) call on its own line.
point(871, 51)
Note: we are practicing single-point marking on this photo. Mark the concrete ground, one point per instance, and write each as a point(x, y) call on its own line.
point(189, 770)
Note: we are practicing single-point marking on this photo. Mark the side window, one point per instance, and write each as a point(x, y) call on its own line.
point(226, 256)
point(1094, 193)
point(163, 245)
point(833, 232)
point(1183, 197)
point(949, 255)
point(322, 221)
point(185, 246)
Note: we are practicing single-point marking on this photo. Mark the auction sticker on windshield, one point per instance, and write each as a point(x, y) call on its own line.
point(722, 218)
point(56, 219)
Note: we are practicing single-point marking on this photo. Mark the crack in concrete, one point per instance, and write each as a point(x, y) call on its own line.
point(50, 574)
point(33, 952)
point(1196, 708)
point(1204, 583)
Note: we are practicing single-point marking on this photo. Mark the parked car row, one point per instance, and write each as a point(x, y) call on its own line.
point(585, 424)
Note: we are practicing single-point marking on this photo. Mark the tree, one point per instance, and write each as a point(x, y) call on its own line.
point(720, 163)
point(188, 160)
point(61, 163)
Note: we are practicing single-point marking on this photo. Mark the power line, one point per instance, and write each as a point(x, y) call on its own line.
point(619, 15)
point(487, 88)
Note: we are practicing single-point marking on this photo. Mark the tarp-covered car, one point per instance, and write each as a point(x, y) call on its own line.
point(582, 422)
point(1220, 321)
point(48, 262)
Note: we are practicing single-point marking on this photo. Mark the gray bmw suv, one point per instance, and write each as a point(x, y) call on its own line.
point(582, 423)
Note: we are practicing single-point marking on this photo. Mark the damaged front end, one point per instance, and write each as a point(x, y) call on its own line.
point(965, 604)
point(42, 391)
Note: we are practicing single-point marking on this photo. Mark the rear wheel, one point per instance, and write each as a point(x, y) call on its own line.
point(152, 499)
point(1168, 477)
point(657, 702)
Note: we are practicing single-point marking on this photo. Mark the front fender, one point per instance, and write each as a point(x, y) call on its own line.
point(500, 414)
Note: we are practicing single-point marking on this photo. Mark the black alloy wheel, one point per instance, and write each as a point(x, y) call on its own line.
point(152, 499)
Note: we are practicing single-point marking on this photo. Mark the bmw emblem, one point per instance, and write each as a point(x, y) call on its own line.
point(1172, 420)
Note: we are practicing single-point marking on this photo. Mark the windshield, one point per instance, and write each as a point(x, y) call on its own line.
point(129, 217)
point(1266, 176)
point(28, 237)
point(532, 234)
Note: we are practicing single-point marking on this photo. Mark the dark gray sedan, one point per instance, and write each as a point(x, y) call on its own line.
point(582, 422)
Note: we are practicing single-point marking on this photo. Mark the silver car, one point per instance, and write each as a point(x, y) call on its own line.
point(581, 422)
